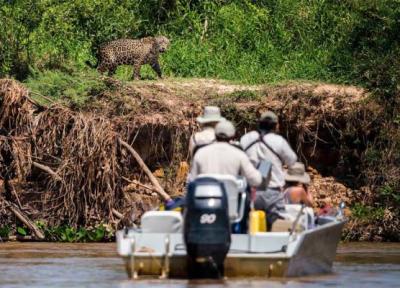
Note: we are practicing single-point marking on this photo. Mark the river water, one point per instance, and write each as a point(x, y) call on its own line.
point(97, 265)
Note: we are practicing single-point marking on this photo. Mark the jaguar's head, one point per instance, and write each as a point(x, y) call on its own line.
point(163, 43)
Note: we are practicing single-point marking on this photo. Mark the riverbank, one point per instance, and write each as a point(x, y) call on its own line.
point(86, 196)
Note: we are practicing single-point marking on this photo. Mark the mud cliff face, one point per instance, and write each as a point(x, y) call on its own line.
point(87, 176)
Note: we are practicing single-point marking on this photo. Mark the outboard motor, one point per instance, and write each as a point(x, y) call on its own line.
point(207, 228)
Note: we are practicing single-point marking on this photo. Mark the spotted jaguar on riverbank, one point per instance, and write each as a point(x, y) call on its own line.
point(136, 52)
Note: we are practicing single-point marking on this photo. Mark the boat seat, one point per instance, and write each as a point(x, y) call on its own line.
point(162, 222)
point(235, 188)
point(305, 222)
point(307, 219)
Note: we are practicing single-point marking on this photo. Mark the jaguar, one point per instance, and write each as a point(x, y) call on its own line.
point(136, 52)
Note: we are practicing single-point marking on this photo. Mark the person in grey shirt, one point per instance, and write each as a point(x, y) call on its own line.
point(265, 144)
point(223, 158)
point(211, 117)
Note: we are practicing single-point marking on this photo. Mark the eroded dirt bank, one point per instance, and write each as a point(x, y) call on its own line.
point(65, 166)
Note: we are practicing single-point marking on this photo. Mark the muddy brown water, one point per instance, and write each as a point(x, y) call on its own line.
point(97, 265)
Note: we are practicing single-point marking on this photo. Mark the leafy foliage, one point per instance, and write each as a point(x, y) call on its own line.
point(22, 231)
point(51, 33)
point(81, 234)
point(367, 212)
point(249, 41)
point(4, 231)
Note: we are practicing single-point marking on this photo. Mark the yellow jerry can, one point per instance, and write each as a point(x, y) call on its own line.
point(257, 221)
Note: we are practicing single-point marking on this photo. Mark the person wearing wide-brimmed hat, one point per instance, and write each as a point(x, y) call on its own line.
point(221, 157)
point(265, 144)
point(211, 117)
point(297, 181)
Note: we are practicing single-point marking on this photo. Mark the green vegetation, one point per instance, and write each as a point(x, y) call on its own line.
point(70, 234)
point(100, 233)
point(351, 41)
point(74, 89)
point(66, 233)
point(21, 231)
point(390, 193)
point(367, 212)
point(4, 231)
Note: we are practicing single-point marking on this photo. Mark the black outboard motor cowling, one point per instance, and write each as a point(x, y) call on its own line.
point(207, 228)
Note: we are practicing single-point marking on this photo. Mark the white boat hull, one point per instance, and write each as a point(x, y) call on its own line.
point(270, 254)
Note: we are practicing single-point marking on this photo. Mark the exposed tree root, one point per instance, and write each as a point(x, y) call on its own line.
point(48, 170)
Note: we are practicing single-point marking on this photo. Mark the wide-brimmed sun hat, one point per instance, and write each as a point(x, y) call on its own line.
point(297, 173)
point(225, 129)
point(210, 114)
point(269, 115)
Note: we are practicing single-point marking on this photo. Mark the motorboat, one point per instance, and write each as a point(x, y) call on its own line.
point(201, 242)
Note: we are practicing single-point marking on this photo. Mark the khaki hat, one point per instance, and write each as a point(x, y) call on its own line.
point(269, 115)
point(297, 173)
point(210, 114)
point(225, 128)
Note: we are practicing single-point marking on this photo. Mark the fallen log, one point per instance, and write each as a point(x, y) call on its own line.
point(47, 169)
point(38, 233)
point(146, 169)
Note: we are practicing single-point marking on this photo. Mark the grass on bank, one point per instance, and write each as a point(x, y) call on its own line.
point(77, 88)
point(71, 89)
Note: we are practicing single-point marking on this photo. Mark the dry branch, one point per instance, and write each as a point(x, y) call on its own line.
point(48, 170)
point(117, 214)
point(13, 184)
point(139, 184)
point(25, 220)
point(146, 169)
